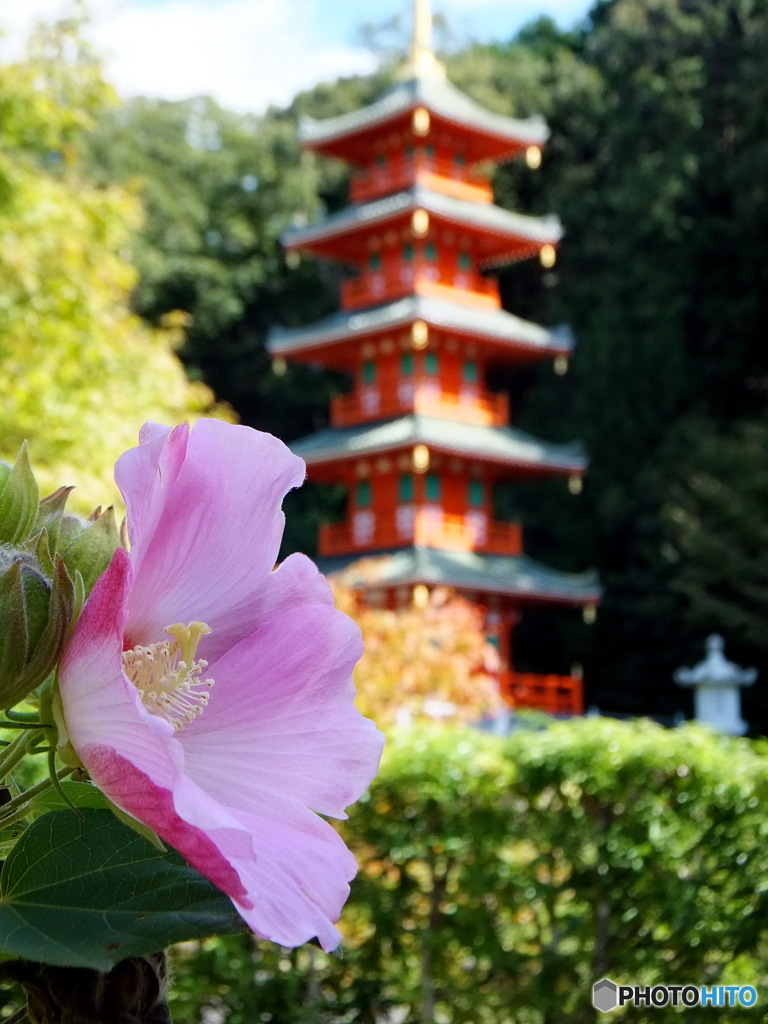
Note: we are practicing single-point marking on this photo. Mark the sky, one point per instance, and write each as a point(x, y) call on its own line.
point(249, 54)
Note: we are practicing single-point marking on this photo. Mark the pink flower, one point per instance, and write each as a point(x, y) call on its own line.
point(227, 731)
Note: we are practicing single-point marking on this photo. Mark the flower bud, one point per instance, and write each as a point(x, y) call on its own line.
point(36, 613)
point(87, 545)
point(50, 515)
point(19, 498)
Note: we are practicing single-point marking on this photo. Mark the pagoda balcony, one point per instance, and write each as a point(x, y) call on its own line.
point(381, 402)
point(425, 527)
point(434, 172)
point(556, 695)
point(436, 282)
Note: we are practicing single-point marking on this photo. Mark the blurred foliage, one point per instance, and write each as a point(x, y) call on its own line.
point(79, 373)
point(499, 879)
point(425, 661)
point(715, 521)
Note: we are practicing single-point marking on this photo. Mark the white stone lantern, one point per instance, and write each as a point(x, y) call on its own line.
point(716, 682)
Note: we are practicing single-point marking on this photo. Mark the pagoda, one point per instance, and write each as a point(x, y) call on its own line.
point(419, 442)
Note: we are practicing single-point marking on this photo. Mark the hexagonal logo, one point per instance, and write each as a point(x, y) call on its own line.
point(604, 995)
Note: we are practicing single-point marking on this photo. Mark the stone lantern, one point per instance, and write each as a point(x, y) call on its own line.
point(716, 682)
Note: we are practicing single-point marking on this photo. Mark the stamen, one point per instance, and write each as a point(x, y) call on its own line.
point(168, 677)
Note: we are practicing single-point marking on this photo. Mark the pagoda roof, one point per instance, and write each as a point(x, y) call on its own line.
point(503, 445)
point(511, 575)
point(496, 136)
point(500, 227)
point(496, 325)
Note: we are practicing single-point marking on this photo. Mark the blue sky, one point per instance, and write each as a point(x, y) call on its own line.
point(250, 53)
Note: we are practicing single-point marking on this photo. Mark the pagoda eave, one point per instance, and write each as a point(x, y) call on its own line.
point(487, 136)
point(500, 236)
point(333, 452)
point(343, 469)
point(517, 577)
point(481, 148)
point(494, 332)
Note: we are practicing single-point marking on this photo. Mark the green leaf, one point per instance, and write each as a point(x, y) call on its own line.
point(9, 837)
point(88, 892)
point(82, 794)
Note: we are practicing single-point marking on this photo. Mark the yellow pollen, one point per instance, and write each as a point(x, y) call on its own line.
point(168, 677)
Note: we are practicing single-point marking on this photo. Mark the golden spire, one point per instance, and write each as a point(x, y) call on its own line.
point(421, 62)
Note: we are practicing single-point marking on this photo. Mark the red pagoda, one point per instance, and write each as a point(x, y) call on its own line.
point(419, 442)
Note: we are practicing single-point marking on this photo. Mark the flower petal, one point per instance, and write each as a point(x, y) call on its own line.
point(298, 878)
point(282, 710)
point(100, 705)
point(219, 529)
point(138, 794)
point(132, 755)
point(295, 581)
point(145, 474)
point(287, 874)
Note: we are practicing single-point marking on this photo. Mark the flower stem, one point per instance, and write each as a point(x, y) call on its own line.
point(18, 749)
point(19, 1017)
point(30, 717)
point(17, 808)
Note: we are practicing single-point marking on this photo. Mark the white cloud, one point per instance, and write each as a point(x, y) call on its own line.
point(245, 53)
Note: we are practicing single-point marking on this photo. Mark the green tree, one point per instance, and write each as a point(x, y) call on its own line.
point(656, 140)
point(219, 190)
point(79, 372)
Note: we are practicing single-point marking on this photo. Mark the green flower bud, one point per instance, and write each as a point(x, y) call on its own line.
point(50, 515)
point(86, 546)
point(19, 497)
point(36, 613)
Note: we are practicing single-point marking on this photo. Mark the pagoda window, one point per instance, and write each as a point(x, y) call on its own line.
point(431, 364)
point(406, 364)
point(408, 253)
point(469, 372)
point(369, 373)
point(475, 494)
point(464, 261)
point(374, 261)
point(363, 494)
point(430, 252)
point(405, 489)
point(432, 487)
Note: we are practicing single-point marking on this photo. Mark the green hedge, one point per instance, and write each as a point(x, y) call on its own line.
point(499, 879)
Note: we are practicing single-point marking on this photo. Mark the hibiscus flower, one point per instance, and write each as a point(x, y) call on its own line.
point(209, 695)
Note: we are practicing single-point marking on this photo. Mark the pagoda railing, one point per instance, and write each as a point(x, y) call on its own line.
point(380, 402)
point(426, 527)
point(371, 289)
point(435, 172)
point(557, 695)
